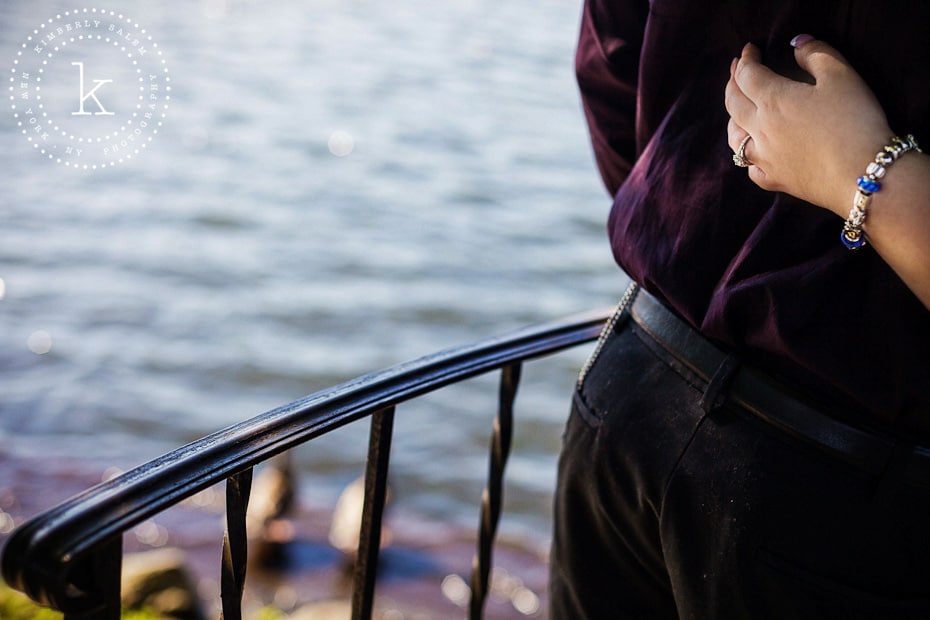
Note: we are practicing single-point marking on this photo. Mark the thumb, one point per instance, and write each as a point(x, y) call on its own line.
point(817, 57)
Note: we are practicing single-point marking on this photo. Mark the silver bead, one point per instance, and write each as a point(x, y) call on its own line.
point(856, 218)
point(894, 150)
point(875, 169)
point(861, 201)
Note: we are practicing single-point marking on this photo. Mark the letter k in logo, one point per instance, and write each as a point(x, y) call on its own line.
point(82, 96)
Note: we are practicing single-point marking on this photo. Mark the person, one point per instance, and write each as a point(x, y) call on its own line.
point(751, 437)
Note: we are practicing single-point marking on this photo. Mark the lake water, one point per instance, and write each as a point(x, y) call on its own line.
point(337, 186)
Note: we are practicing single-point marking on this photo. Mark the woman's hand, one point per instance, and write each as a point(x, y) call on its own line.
point(808, 140)
point(814, 140)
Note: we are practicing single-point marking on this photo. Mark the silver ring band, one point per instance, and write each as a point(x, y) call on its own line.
point(739, 158)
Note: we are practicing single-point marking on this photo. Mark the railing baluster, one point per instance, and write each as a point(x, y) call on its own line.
point(103, 569)
point(369, 540)
point(493, 494)
point(235, 544)
point(38, 558)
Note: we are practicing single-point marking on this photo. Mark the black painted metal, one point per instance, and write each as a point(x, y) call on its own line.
point(493, 495)
point(104, 566)
point(235, 544)
point(47, 557)
point(376, 484)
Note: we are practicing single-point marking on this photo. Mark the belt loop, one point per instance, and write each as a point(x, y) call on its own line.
point(716, 393)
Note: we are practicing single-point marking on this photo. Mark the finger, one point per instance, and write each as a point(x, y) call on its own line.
point(740, 142)
point(738, 105)
point(752, 77)
point(758, 176)
point(735, 135)
point(817, 57)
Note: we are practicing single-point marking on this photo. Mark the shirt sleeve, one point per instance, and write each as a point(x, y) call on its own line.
point(607, 69)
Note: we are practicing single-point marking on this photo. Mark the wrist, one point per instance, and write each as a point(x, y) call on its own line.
point(849, 164)
point(870, 183)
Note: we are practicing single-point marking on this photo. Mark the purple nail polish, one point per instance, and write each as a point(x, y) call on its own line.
point(800, 40)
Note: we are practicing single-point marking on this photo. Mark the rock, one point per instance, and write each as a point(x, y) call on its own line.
point(347, 520)
point(273, 495)
point(159, 580)
point(323, 610)
point(272, 500)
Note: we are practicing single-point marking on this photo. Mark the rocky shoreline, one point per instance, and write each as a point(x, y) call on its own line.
point(423, 572)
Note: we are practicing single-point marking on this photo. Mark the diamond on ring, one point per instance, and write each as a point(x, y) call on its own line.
point(739, 158)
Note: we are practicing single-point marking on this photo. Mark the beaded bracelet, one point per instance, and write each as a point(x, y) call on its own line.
point(852, 236)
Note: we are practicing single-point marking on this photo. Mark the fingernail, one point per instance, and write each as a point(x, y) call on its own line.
point(801, 40)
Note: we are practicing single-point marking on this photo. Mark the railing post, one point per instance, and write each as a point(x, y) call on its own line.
point(103, 568)
point(369, 540)
point(493, 494)
point(235, 544)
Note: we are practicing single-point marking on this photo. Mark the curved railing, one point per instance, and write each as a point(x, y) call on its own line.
point(69, 557)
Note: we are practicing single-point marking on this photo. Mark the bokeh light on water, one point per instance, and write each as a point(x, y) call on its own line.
point(339, 186)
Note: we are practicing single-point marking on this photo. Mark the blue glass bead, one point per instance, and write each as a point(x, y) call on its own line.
point(852, 244)
point(868, 185)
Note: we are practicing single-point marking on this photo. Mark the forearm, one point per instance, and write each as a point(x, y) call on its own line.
point(898, 222)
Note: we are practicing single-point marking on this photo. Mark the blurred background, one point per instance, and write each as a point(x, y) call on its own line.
point(338, 186)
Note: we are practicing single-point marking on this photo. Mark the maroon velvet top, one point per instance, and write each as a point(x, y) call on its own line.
point(761, 273)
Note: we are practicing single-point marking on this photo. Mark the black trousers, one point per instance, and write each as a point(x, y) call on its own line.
point(669, 509)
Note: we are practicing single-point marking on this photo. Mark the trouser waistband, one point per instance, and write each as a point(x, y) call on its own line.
point(756, 393)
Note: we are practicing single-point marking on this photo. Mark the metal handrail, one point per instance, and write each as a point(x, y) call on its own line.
point(68, 557)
